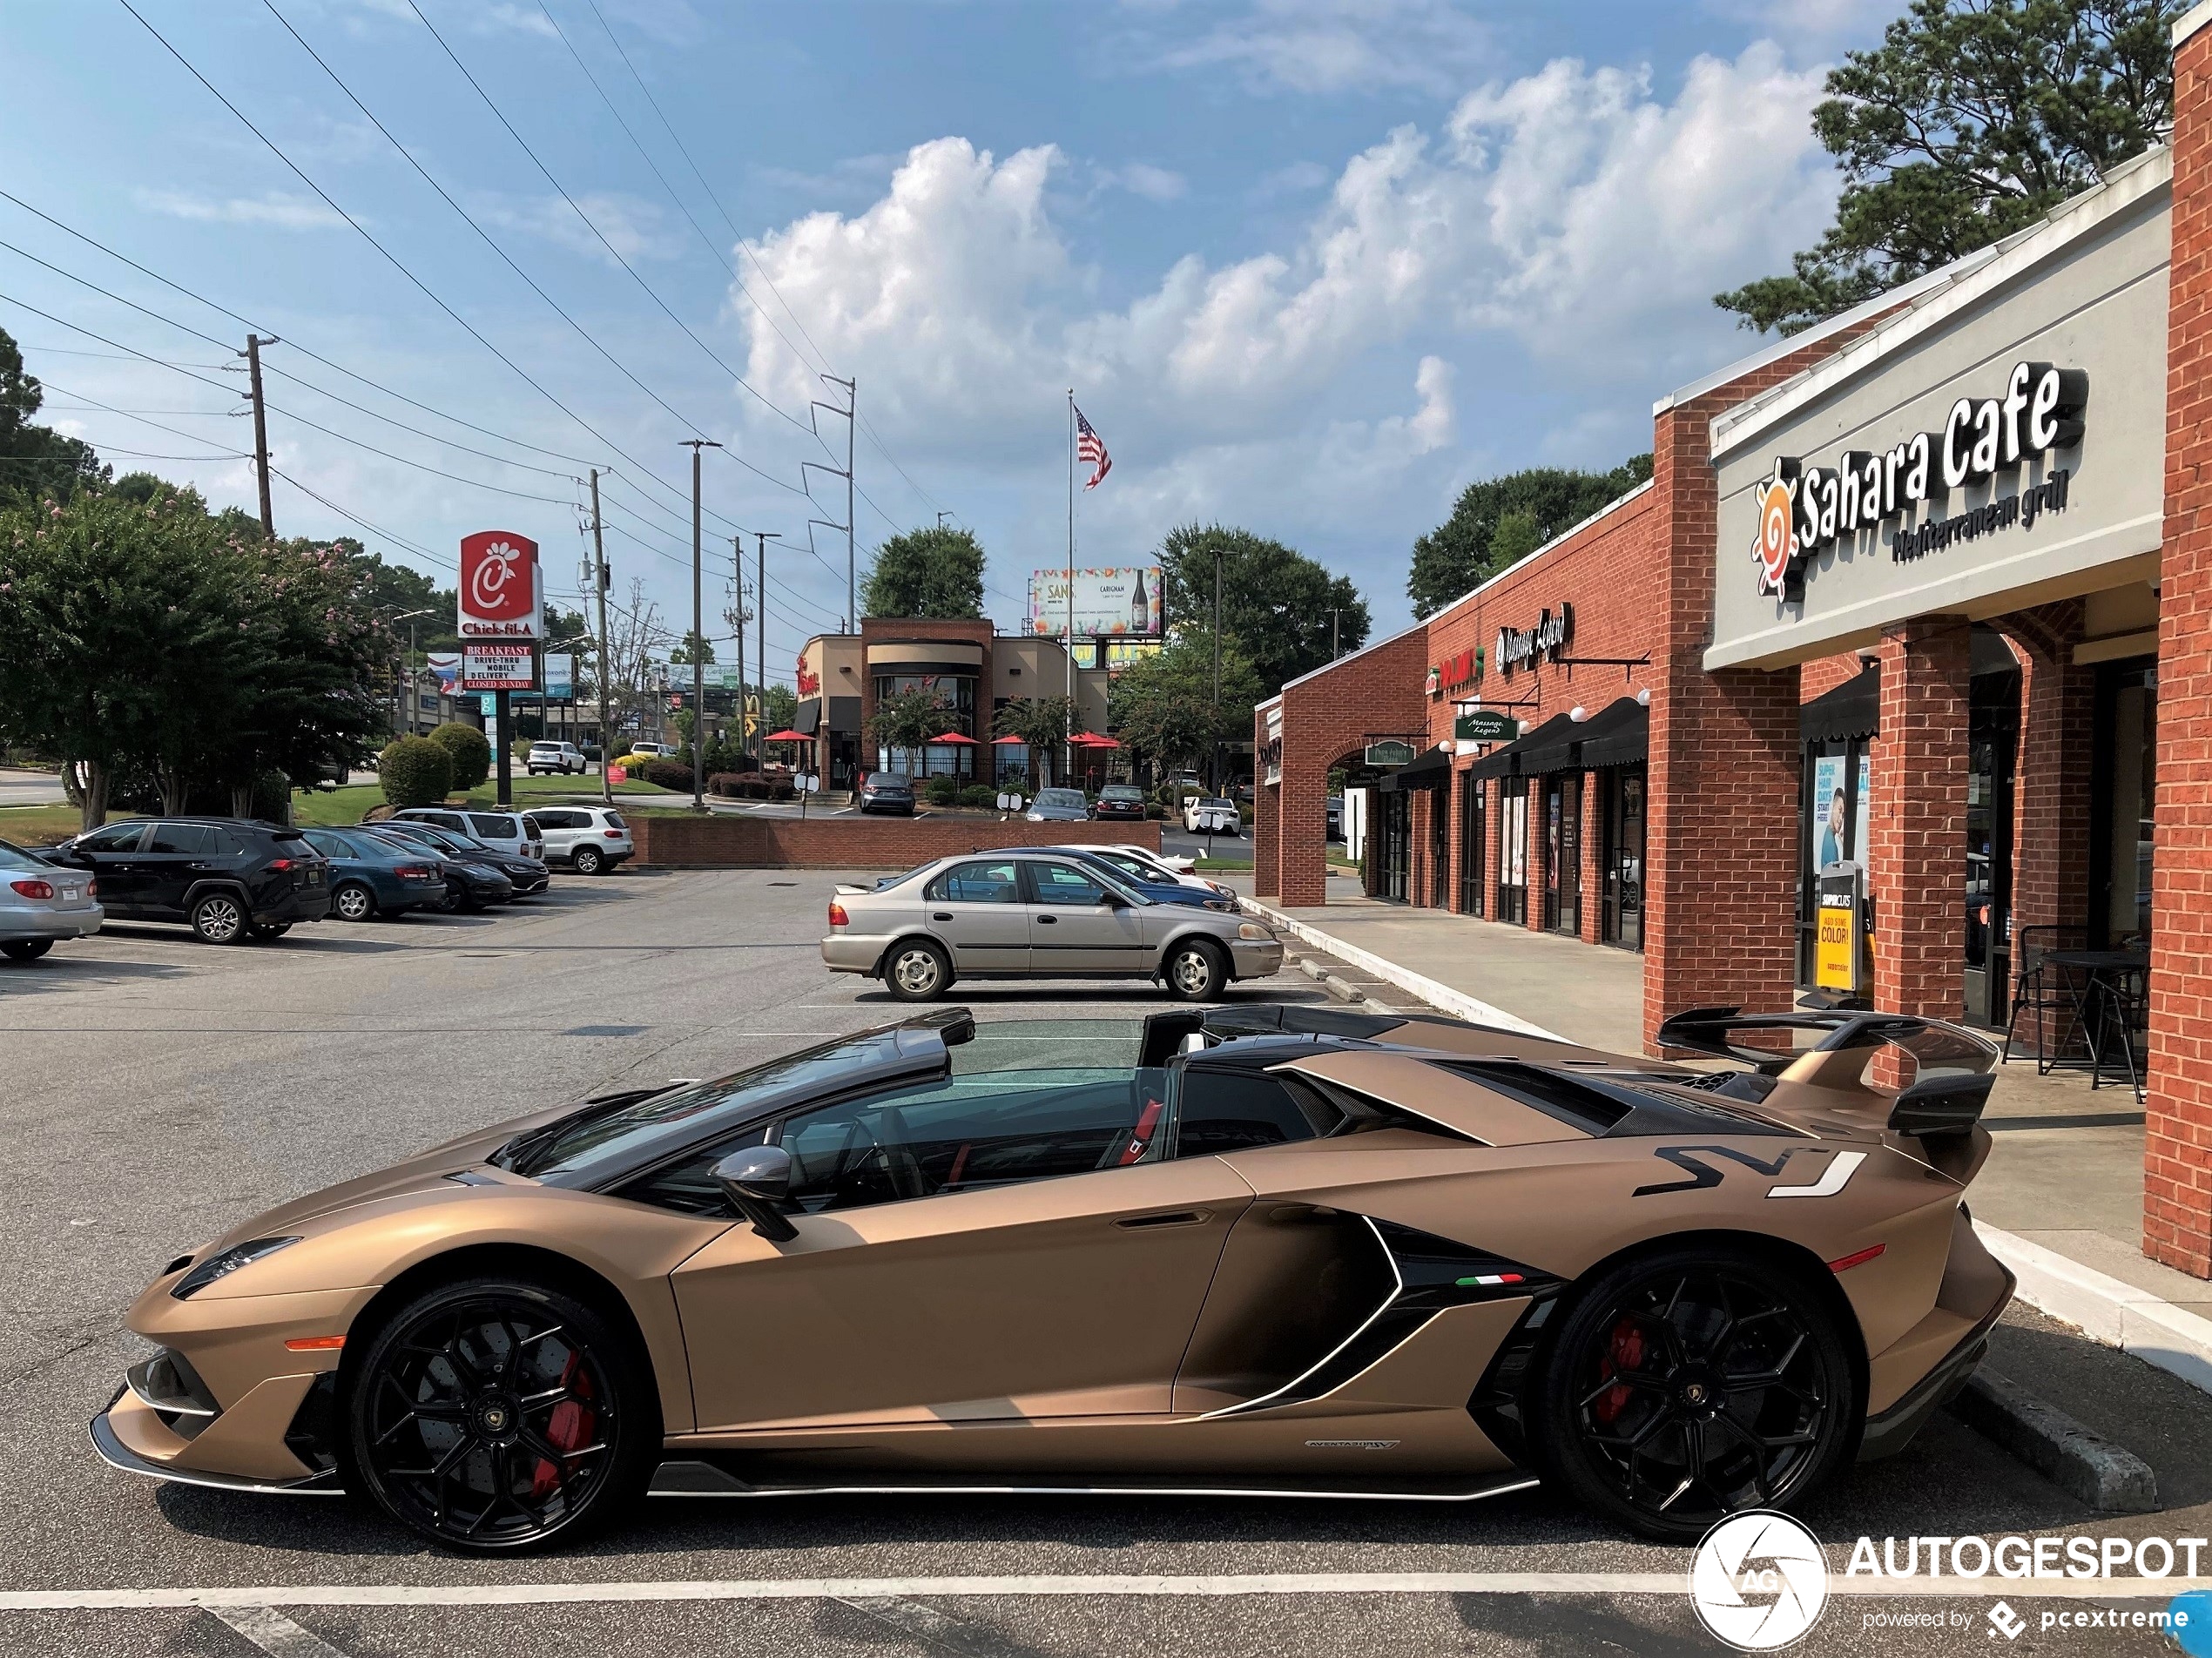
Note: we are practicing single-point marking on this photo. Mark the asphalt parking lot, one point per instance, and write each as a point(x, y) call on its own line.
point(156, 1089)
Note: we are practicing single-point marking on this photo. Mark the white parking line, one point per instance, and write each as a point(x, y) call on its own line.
point(856, 1589)
point(273, 1633)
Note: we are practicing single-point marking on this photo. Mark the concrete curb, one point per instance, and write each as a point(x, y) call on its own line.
point(1441, 997)
point(2092, 1470)
point(2107, 1309)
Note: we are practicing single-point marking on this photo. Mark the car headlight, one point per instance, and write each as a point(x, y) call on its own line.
point(1253, 930)
point(1217, 904)
point(221, 1266)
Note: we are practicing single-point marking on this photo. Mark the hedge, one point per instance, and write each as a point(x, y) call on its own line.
point(749, 785)
point(669, 774)
point(467, 754)
point(414, 771)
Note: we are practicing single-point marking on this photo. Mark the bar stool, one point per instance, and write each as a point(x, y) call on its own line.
point(2052, 994)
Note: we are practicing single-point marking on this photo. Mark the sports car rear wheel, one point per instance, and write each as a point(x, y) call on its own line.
point(495, 1415)
point(1692, 1383)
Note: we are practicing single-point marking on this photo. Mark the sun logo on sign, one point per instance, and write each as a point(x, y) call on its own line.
point(1775, 546)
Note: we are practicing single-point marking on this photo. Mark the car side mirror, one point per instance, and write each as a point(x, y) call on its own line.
point(755, 1180)
point(1112, 899)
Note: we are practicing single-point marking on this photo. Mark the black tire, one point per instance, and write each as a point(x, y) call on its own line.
point(25, 949)
point(470, 1382)
point(587, 860)
point(269, 931)
point(352, 901)
point(916, 970)
point(1195, 970)
point(1688, 1383)
point(220, 918)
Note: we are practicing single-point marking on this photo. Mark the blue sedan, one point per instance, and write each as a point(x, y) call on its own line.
point(369, 877)
point(1124, 870)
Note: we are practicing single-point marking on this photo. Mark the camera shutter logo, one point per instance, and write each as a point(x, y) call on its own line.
point(1759, 1581)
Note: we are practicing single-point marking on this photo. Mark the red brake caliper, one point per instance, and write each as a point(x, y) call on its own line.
point(569, 1427)
point(1624, 1352)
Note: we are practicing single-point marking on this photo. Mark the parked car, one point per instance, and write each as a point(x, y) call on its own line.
point(1175, 862)
point(1059, 805)
point(650, 750)
point(1160, 885)
point(508, 832)
point(227, 879)
point(591, 841)
point(371, 877)
point(1158, 867)
point(1217, 815)
point(1335, 818)
point(40, 903)
point(1028, 914)
point(1120, 800)
point(471, 883)
point(528, 876)
point(892, 792)
point(546, 759)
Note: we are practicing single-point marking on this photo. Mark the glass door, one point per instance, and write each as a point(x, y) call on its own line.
point(1564, 852)
point(1621, 921)
point(1393, 845)
point(1993, 737)
point(1440, 848)
point(1472, 825)
point(1512, 850)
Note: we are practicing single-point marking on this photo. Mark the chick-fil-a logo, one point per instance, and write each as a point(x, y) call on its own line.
point(498, 585)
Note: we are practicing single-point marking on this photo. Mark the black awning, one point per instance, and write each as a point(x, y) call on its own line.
point(1618, 734)
point(844, 716)
point(1513, 759)
point(1432, 770)
point(1852, 709)
point(809, 715)
point(1550, 747)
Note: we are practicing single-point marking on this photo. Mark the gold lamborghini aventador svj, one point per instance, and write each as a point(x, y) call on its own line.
point(1271, 1249)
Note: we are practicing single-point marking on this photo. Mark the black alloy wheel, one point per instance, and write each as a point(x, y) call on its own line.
point(353, 902)
point(1689, 1385)
point(25, 949)
point(495, 1415)
point(587, 860)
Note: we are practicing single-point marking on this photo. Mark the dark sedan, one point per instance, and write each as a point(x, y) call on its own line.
point(1129, 873)
point(529, 876)
point(369, 877)
point(470, 885)
point(1120, 800)
point(888, 792)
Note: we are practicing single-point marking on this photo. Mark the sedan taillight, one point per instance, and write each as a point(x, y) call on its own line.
point(33, 888)
point(412, 872)
point(837, 915)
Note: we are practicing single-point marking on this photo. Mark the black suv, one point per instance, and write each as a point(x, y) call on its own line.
point(226, 879)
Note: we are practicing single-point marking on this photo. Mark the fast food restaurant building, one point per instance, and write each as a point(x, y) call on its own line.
point(1928, 590)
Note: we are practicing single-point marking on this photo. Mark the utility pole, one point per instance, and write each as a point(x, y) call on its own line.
point(606, 668)
point(252, 355)
point(1216, 670)
point(1335, 633)
point(851, 415)
point(760, 620)
point(737, 618)
point(698, 636)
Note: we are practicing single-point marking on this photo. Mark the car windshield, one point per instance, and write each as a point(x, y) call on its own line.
point(16, 858)
point(1059, 798)
point(613, 821)
point(891, 782)
point(493, 826)
point(1120, 791)
point(545, 748)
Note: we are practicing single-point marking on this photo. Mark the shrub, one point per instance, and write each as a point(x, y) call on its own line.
point(467, 755)
point(414, 771)
point(750, 785)
point(668, 774)
point(981, 796)
point(941, 791)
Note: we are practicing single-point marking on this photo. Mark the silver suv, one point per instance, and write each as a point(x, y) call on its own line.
point(546, 757)
point(590, 840)
point(1021, 914)
point(509, 832)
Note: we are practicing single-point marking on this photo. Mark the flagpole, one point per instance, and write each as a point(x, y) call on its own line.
point(1069, 752)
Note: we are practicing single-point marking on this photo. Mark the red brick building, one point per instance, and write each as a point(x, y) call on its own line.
point(1921, 598)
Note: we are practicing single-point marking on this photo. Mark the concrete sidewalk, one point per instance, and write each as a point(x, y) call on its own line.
point(2065, 1178)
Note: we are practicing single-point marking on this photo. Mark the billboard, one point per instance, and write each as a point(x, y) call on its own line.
point(498, 667)
point(1126, 599)
point(498, 591)
point(560, 675)
point(445, 666)
point(1119, 652)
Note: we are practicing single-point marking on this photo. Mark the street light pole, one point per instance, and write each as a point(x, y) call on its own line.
point(698, 636)
point(1216, 670)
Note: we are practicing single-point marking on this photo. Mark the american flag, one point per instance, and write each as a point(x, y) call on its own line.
point(1091, 449)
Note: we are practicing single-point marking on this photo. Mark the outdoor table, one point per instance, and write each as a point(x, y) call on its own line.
point(2105, 986)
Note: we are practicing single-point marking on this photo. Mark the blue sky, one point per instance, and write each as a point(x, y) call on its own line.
point(1311, 265)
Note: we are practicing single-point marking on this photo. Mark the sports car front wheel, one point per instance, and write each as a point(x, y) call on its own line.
point(495, 1415)
point(1691, 1383)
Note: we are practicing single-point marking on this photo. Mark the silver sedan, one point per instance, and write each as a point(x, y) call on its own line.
point(1021, 914)
point(40, 902)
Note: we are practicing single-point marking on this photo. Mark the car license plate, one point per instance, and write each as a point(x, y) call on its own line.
point(70, 894)
point(314, 875)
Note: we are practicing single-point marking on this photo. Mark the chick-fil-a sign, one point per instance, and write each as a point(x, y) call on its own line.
point(498, 593)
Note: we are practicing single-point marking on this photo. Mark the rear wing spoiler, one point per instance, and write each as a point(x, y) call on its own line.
point(1934, 1043)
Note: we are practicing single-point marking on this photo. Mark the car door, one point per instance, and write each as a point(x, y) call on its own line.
point(976, 909)
point(111, 852)
point(1077, 925)
point(974, 1250)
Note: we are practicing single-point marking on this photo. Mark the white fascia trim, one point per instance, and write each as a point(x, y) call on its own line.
point(1905, 294)
point(2192, 20)
point(2067, 223)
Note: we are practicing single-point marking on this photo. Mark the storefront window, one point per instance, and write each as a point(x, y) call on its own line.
point(1512, 850)
point(1622, 923)
point(1564, 852)
point(1393, 843)
point(1834, 820)
point(1472, 824)
point(2127, 746)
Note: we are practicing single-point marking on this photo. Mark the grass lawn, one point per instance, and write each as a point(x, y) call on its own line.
point(38, 825)
point(1225, 863)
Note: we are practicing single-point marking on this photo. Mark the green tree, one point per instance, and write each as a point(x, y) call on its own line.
point(932, 571)
point(1287, 612)
point(1163, 707)
point(36, 463)
point(778, 708)
point(1972, 119)
point(692, 649)
point(1497, 521)
point(906, 720)
point(1042, 722)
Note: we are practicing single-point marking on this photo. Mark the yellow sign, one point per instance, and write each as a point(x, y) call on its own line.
point(752, 714)
point(1835, 964)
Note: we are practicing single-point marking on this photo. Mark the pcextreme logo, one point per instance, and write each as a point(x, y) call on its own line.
point(1759, 1581)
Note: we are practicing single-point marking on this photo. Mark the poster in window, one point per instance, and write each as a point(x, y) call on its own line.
point(1859, 850)
point(1828, 803)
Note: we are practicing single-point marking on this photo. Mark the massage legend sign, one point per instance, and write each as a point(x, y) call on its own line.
point(1803, 510)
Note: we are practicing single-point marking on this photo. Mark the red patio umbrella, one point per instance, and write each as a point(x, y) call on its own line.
point(787, 736)
point(954, 736)
point(1092, 739)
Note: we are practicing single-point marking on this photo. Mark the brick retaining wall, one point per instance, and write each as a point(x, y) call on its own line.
point(856, 842)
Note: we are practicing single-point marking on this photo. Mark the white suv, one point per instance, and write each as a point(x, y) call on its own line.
point(590, 840)
point(565, 758)
point(509, 831)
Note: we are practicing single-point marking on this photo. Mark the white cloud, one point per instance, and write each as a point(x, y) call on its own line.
point(635, 229)
point(276, 209)
point(1141, 178)
point(1323, 46)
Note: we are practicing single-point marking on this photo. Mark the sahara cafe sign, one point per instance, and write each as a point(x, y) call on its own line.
point(1803, 510)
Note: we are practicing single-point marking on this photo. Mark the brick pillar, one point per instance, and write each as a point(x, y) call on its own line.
point(1593, 839)
point(2177, 1141)
point(1302, 829)
point(1455, 842)
point(1267, 822)
point(2051, 804)
point(1917, 823)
